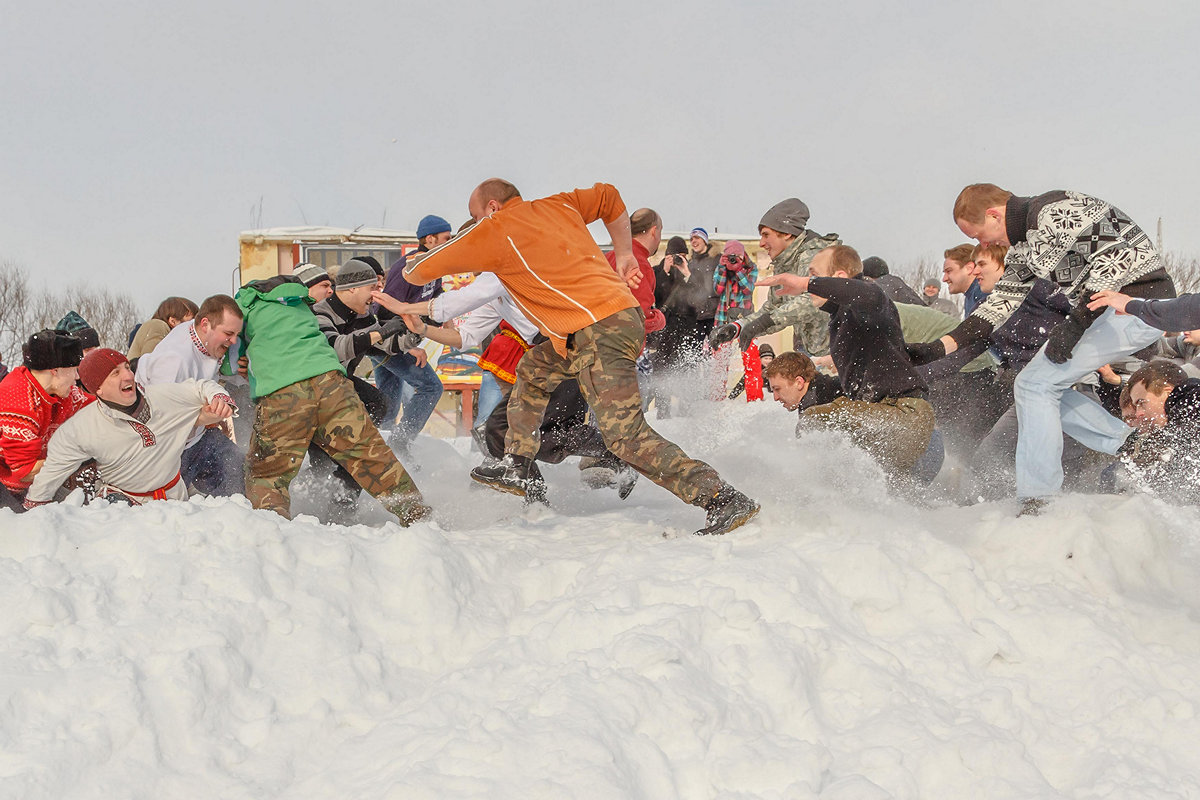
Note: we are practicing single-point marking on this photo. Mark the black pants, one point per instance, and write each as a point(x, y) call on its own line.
point(565, 430)
point(9, 500)
point(967, 405)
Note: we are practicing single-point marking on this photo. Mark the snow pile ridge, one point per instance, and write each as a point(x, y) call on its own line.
point(846, 644)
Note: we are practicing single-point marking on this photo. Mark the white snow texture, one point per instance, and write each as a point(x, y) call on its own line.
point(845, 644)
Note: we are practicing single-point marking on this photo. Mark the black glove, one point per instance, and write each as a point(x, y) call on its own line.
point(724, 333)
point(752, 329)
point(393, 327)
point(924, 352)
point(1067, 333)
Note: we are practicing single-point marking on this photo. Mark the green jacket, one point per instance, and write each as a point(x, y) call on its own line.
point(925, 324)
point(281, 335)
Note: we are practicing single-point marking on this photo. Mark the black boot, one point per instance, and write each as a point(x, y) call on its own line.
point(513, 474)
point(608, 470)
point(727, 509)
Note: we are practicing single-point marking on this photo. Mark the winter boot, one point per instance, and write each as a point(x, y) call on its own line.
point(608, 470)
point(513, 474)
point(1032, 506)
point(342, 506)
point(727, 509)
point(408, 508)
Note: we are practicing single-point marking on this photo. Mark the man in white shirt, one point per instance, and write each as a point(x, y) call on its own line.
point(135, 435)
point(212, 463)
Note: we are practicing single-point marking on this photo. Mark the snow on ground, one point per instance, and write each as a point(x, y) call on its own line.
point(846, 644)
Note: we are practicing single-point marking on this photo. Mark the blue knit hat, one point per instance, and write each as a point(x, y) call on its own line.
point(431, 225)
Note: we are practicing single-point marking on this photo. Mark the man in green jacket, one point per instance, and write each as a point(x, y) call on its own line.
point(303, 397)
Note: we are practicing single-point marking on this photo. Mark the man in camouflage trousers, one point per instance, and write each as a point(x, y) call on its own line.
point(303, 397)
point(602, 359)
point(783, 233)
point(544, 255)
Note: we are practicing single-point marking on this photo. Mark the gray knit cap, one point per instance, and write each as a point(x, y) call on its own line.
point(786, 216)
point(310, 274)
point(354, 273)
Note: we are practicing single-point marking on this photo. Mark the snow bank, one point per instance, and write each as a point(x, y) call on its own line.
point(844, 645)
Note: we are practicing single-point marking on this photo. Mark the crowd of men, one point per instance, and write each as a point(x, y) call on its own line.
point(1057, 371)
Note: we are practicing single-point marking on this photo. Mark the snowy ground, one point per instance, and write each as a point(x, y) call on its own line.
point(843, 645)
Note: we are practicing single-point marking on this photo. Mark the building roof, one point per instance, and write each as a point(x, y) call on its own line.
point(319, 233)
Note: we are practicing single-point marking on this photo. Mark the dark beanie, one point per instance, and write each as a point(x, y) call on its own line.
point(49, 349)
point(786, 216)
point(78, 327)
point(354, 273)
point(676, 246)
point(765, 349)
point(98, 365)
point(430, 225)
point(874, 267)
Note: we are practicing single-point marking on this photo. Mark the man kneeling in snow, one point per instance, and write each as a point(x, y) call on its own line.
point(136, 436)
point(884, 405)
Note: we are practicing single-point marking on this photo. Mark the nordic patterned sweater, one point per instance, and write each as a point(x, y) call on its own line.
point(1078, 242)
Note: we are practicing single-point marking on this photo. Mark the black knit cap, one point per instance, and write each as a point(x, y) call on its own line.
point(874, 267)
point(49, 349)
point(676, 246)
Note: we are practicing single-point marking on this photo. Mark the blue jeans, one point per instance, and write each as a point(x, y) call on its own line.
point(213, 465)
point(490, 395)
point(1047, 407)
point(395, 374)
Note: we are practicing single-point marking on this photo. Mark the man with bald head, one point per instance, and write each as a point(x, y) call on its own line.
point(543, 253)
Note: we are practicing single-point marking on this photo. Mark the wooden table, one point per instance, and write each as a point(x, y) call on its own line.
point(464, 412)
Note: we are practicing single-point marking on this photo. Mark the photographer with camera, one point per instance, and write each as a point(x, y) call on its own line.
point(684, 296)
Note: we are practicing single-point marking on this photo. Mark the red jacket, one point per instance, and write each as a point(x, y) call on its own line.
point(28, 416)
point(644, 293)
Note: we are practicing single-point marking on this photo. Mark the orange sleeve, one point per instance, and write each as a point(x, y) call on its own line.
point(602, 201)
point(470, 251)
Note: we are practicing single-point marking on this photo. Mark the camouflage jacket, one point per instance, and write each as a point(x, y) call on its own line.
point(810, 327)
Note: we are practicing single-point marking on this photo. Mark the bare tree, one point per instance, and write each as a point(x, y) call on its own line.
point(24, 309)
point(15, 303)
point(1184, 270)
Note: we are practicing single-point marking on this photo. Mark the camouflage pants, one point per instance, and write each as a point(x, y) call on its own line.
point(895, 430)
point(601, 357)
point(327, 412)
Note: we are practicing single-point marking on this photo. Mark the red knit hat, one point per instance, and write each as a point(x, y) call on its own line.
point(98, 365)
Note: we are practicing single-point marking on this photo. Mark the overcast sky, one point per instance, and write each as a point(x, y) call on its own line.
point(137, 138)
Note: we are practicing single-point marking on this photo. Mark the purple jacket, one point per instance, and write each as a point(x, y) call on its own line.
point(395, 285)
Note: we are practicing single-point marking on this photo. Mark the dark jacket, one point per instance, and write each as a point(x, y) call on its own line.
point(898, 291)
point(1179, 314)
point(1174, 469)
point(397, 286)
point(704, 267)
point(1018, 340)
point(349, 334)
point(866, 342)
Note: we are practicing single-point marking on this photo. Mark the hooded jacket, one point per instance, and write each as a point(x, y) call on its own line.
point(282, 338)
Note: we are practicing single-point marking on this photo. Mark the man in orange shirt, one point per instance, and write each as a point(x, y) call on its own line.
point(543, 253)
